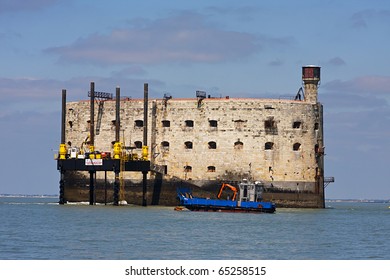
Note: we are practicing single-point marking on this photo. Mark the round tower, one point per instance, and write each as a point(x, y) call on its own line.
point(311, 78)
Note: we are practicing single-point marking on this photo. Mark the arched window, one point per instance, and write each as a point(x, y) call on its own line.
point(210, 168)
point(297, 147)
point(238, 145)
point(166, 123)
point(165, 145)
point(139, 123)
point(212, 145)
point(138, 144)
point(269, 146)
point(188, 145)
point(213, 123)
point(187, 168)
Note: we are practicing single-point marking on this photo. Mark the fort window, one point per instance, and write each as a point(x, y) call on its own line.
point(139, 123)
point(269, 146)
point(138, 144)
point(297, 147)
point(166, 123)
point(270, 126)
point(238, 145)
point(70, 124)
point(316, 148)
point(165, 145)
point(316, 126)
point(212, 145)
point(213, 123)
point(188, 145)
point(210, 168)
point(187, 168)
point(239, 124)
point(189, 123)
point(297, 124)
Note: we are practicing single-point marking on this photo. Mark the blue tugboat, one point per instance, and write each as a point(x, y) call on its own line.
point(246, 198)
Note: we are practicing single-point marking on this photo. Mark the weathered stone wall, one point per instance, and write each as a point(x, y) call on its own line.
point(270, 140)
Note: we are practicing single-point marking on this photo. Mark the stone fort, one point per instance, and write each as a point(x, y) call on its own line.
point(205, 140)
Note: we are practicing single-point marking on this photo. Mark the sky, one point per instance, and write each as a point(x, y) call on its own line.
point(244, 48)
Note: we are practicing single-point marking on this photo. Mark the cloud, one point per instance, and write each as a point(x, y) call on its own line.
point(23, 5)
point(184, 38)
point(364, 84)
point(276, 62)
point(361, 19)
point(336, 61)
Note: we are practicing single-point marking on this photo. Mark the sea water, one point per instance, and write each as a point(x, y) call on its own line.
point(41, 229)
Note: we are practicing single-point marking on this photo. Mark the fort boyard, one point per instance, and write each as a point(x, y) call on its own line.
point(139, 151)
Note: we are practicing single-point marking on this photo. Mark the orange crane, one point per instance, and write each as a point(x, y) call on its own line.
point(234, 190)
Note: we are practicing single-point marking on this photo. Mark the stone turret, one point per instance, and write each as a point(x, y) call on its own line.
point(311, 78)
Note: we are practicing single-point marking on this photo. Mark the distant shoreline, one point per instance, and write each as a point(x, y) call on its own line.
point(30, 195)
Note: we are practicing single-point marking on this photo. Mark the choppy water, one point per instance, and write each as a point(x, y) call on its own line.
point(39, 228)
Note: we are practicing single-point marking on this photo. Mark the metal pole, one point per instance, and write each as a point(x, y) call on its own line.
point(91, 188)
point(92, 116)
point(145, 140)
point(146, 92)
point(63, 116)
point(62, 172)
point(117, 114)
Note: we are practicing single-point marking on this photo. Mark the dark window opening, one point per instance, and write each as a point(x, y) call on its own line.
point(139, 123)
point(165, 145)
point(316, 126)
point(270, 126)
point(296, 147)
point(238, 145)
point(269, 146)
point(70, 124)
point(297, 124)
point(189, 123)
point(188, 145)
point(166, 123)
point(212, 145)
point(210, 168)
point(187, 168)
point(316, 148)
point(138, 144)
point(213, 123)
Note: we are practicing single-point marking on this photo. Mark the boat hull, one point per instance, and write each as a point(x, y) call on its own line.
point(201, 208)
